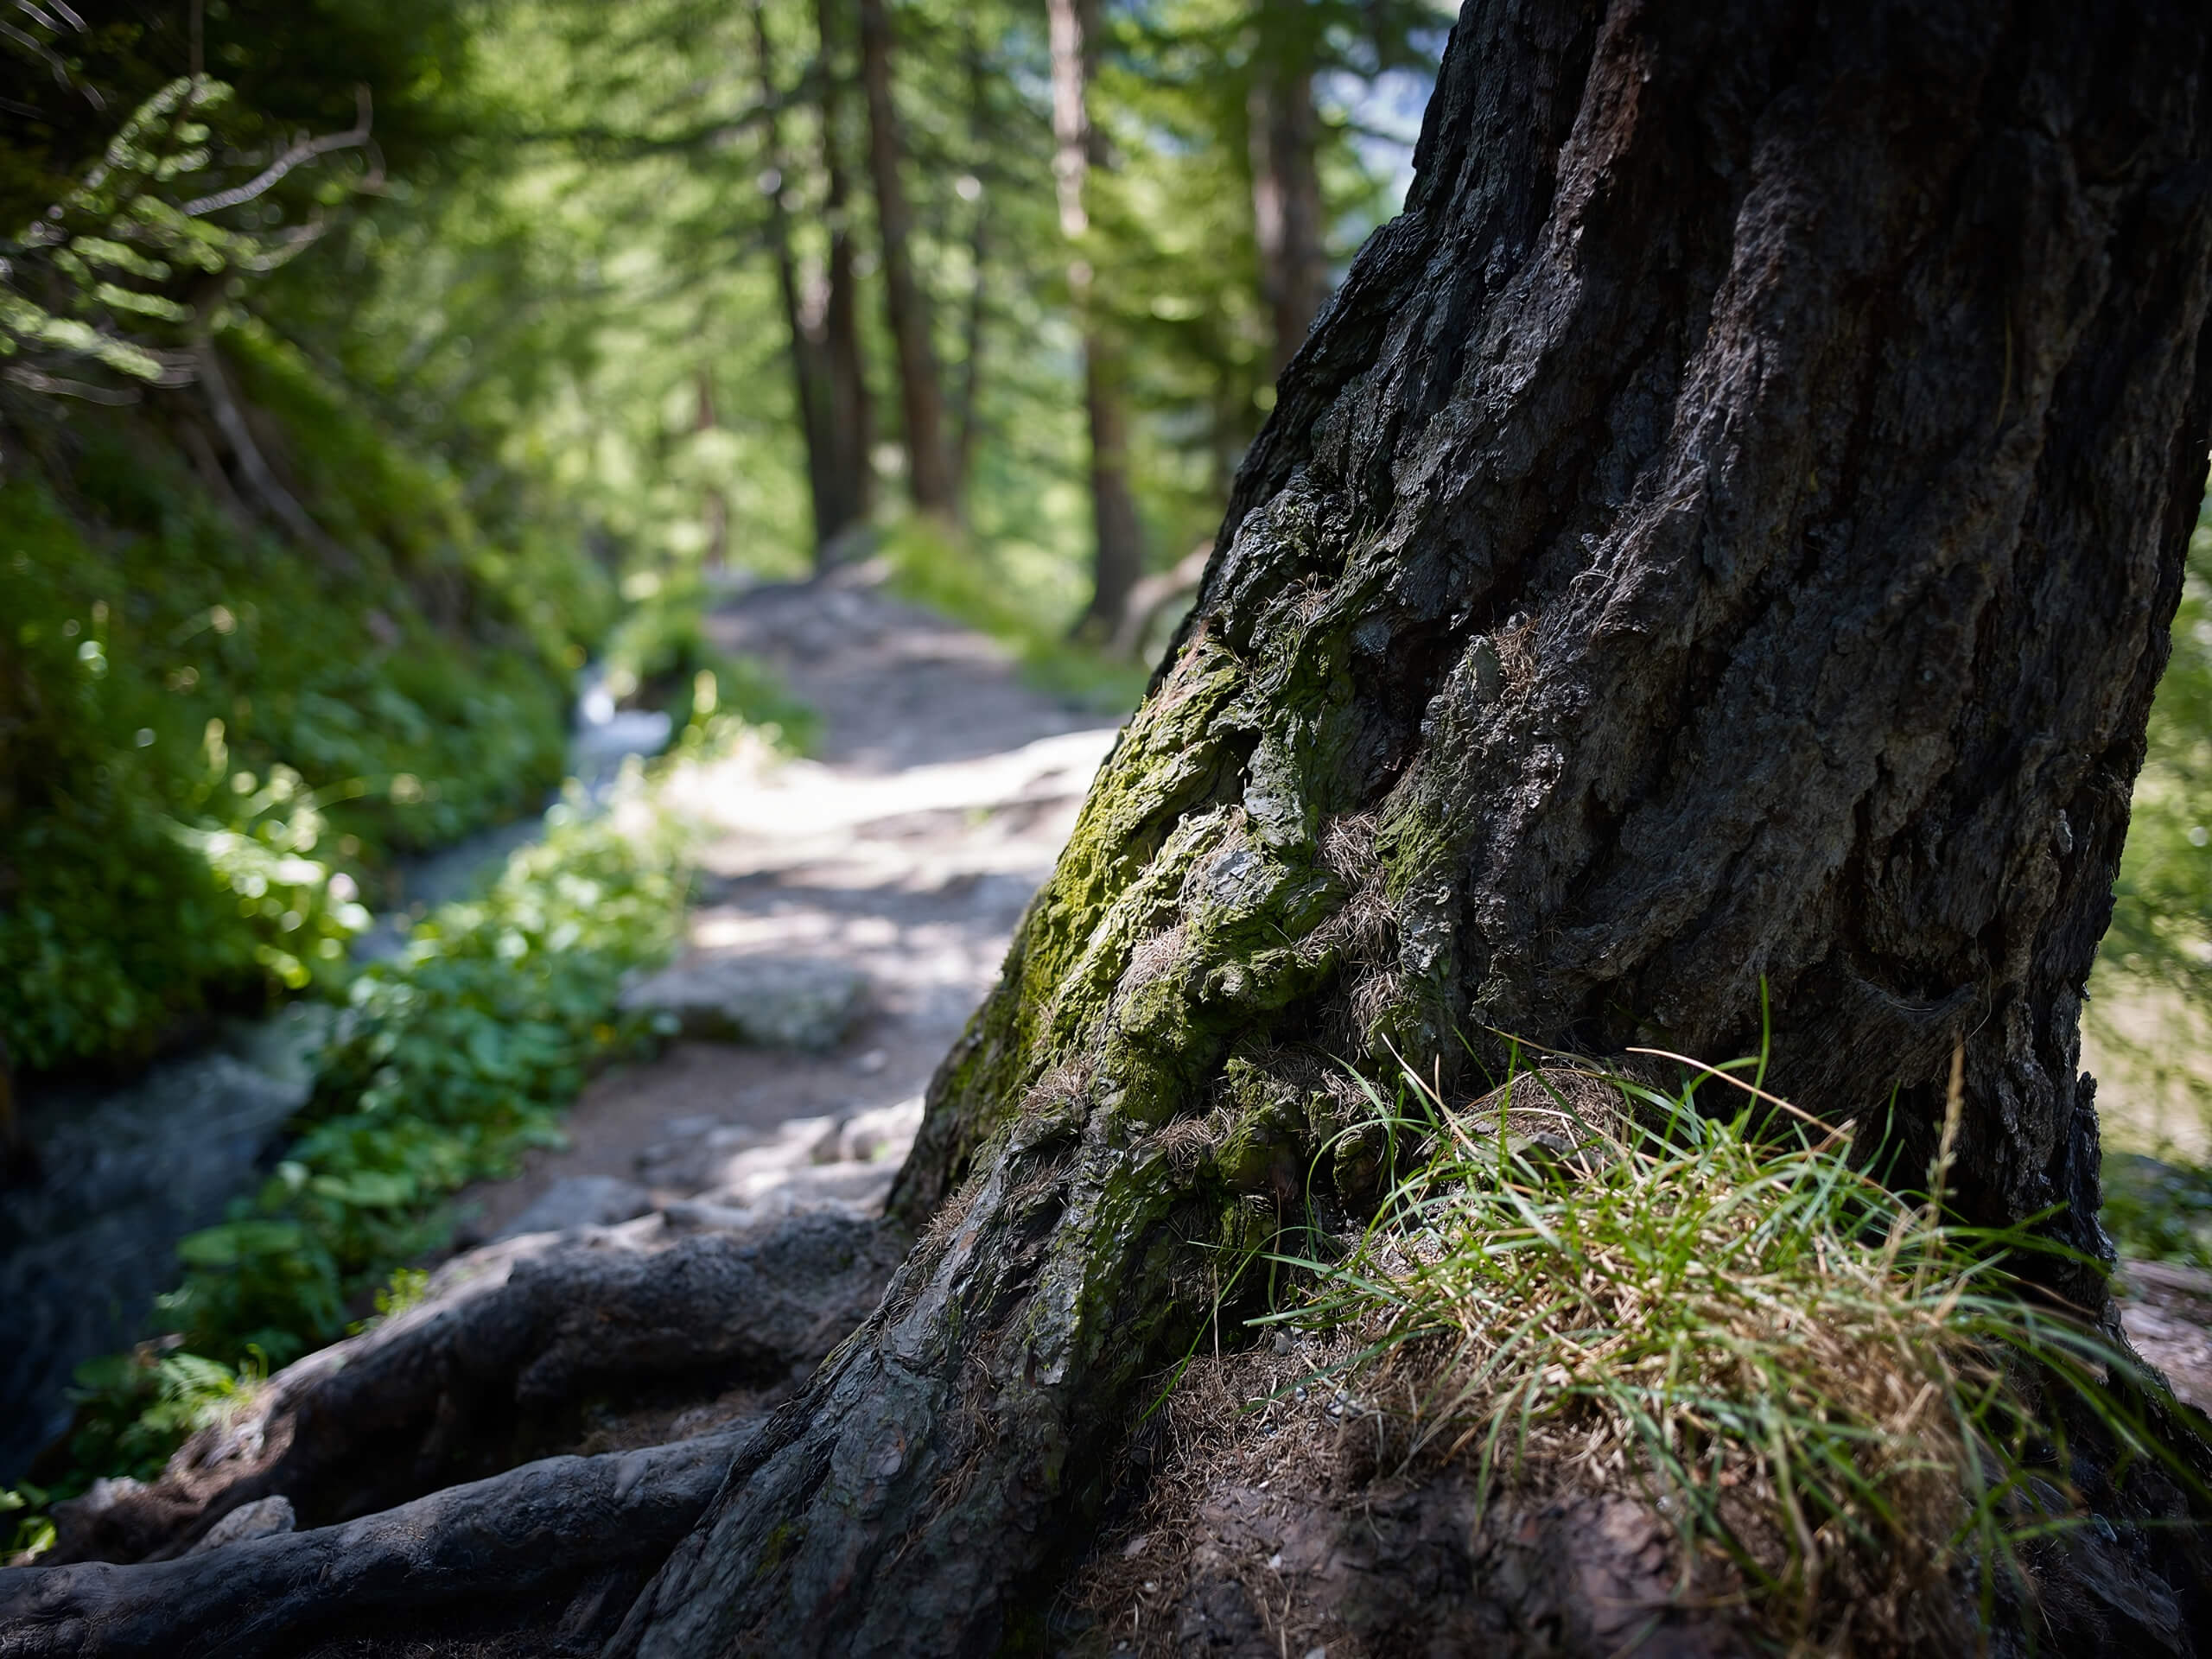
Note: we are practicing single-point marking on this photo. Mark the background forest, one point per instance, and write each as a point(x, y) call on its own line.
point(368, 369)
point(358, 390)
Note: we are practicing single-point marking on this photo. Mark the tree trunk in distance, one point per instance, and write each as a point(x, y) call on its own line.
point(921, 396)
point(966, 410)
point(1724, 532)
point(1285, 180)
point(1117, 535)
point(851, 420)
point(705, 419)
point(812, 395)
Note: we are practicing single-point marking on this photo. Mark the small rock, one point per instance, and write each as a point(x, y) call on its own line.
point(580, 1201)
point(883, 1135)
point(773, 1002)
point(259, 1519)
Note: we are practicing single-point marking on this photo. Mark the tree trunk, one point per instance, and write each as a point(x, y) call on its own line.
point(967, 407)
point(1286, 179)
point(18, 1159)
point(851, 415)
point(813, 398)
point(1117, 537)
point(1724, 532)
point(921, 396)
point(714, 505)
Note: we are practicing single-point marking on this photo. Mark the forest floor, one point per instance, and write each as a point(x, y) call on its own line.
point(899, 857)
point(904, 850)
point(940, 792)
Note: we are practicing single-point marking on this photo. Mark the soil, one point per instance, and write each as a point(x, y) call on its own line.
point(2167, 1310)
point(939, 793)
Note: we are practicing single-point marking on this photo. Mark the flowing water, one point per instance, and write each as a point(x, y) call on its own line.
point(126, 1171)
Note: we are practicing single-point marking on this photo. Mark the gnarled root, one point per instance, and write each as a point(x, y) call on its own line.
point(491, 1369)
point(593, 1525)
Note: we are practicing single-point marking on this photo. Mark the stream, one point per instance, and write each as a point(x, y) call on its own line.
point(128, 1169)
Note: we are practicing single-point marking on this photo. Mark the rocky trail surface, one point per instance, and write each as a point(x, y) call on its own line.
point(852, 909)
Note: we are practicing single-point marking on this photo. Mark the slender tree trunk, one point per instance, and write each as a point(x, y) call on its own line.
point(1117, 537)
point(1725, 533)
point(851, 424)
point(715, 506)
point(812, 393)
point(966, 414)
point(1286, 179)
point(18, 1160)
point(921, 396)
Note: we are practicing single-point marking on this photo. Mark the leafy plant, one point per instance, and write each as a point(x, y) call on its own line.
point(451, 1060)
point(135, 1408)
point(2158, 1212)
point(203, 734)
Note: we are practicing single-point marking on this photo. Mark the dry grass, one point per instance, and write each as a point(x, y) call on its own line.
point(1810, 1371)
point(1588, 1286)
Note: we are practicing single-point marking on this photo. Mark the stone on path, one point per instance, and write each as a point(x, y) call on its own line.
point(801, 1002)
point(580, 1201)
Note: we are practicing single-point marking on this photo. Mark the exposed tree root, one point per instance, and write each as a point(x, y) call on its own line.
point(584, 1529)
point(492, 1368)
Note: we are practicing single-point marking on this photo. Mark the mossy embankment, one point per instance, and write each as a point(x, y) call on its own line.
point(214, 740)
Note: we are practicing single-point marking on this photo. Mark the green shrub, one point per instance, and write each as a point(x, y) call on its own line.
point(201, 726)
point(972, 584)
point(450, 1061)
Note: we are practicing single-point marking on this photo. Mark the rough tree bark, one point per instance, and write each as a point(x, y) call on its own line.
point(1724, 532)
point(1117, 537)
point(907, 309)
point(1284, 136)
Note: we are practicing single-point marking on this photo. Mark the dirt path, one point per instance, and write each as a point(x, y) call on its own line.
point(943, 788)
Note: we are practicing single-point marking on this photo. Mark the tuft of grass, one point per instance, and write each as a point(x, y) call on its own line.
point(1828, 1386)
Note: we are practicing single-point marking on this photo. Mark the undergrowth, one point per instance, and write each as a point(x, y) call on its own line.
point(660, 656)
point(447, 1063)
point(1843, 1398)
point(210, 739)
